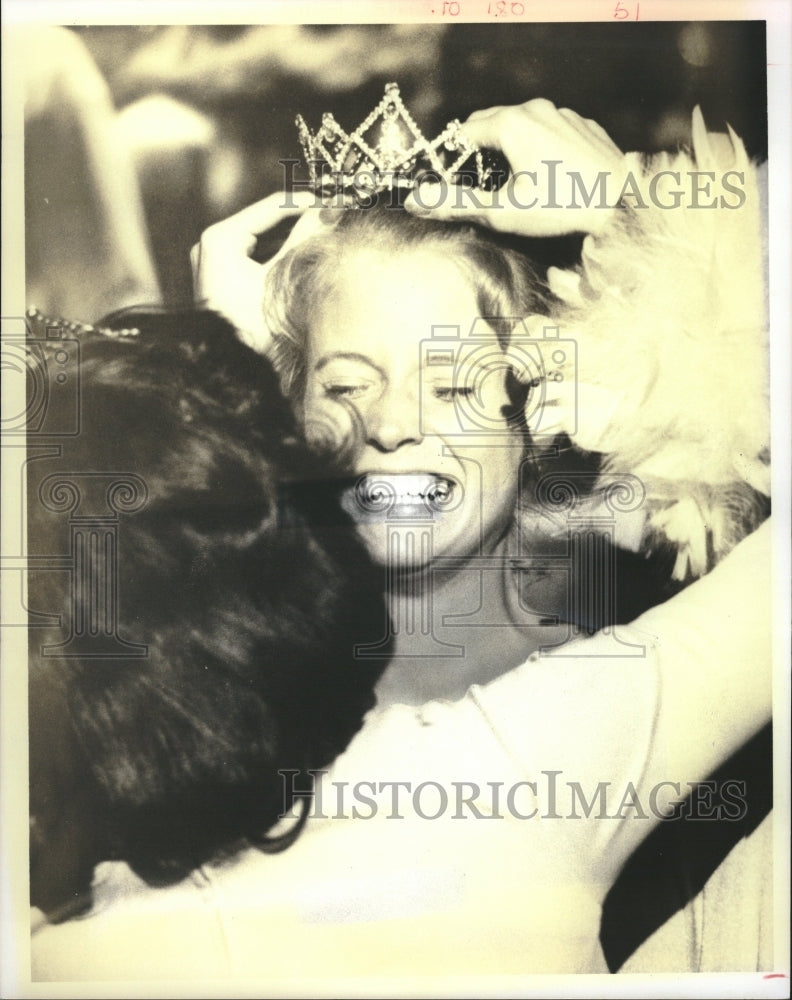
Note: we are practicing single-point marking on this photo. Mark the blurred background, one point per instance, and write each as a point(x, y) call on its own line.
point(138, 138)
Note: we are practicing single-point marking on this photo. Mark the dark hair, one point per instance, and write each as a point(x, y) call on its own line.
point(506, 283)
point(242, 578)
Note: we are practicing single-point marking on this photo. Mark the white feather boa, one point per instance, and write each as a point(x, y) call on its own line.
point(668, 309)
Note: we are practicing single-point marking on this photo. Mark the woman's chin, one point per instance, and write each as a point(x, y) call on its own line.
point(403, 546)
point(413, 546)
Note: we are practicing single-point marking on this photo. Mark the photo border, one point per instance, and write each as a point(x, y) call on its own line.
point(15, 955)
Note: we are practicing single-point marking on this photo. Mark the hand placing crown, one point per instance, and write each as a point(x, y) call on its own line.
point(387, 152)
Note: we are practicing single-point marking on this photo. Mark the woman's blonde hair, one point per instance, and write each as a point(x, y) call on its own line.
point(506, 284)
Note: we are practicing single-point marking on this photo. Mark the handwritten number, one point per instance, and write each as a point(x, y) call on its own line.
point(621, 13)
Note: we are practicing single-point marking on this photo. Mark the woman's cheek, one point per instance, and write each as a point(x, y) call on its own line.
point(329, 424)
point(484, 410)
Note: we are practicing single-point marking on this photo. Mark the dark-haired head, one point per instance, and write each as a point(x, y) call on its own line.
point(237, 585)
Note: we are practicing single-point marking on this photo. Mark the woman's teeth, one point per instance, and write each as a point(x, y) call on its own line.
point(386, 490)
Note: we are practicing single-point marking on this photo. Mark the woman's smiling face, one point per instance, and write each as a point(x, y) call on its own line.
point(391, 345)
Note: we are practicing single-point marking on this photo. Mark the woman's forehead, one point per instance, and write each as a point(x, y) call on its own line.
point(391, 300)
point(376, 275)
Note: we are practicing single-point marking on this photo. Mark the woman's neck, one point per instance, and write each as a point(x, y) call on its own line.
point(466, 625)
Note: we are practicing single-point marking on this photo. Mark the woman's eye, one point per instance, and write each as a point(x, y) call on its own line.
point(345, 390)
point(448, 393)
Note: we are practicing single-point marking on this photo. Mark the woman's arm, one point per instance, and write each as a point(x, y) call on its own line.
point(713, 648)
point(597, 712)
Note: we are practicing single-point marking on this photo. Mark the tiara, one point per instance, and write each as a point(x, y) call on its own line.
point(386, 151)
point(39, 321)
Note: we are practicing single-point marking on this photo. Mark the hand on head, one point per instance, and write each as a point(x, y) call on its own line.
point(225, 277)
point(531, 136)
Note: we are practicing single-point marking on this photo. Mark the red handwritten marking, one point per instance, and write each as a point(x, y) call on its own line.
point(621, 13)
point(774, 975)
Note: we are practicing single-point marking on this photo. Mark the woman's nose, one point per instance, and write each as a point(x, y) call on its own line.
point(394, 420)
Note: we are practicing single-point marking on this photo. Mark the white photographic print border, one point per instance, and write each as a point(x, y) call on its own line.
point(15, 976)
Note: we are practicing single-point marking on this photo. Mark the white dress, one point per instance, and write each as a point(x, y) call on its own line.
point(447, 889)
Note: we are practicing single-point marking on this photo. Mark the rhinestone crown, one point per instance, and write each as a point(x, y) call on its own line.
point(387, 151)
